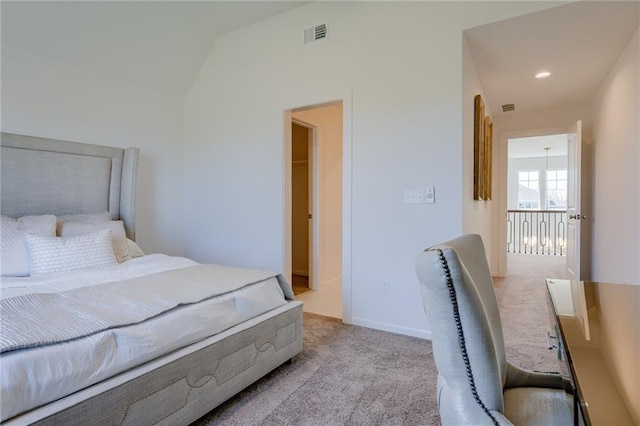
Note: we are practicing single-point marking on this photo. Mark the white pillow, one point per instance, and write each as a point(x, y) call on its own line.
point(56, 254)
point(84, 218)
point(14, 252)
point(134, 249)
point(118, 234)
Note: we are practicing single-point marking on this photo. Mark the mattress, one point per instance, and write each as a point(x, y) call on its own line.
point(36, 376)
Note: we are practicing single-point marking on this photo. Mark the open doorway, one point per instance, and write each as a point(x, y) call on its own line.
point(316, 207)
point(302, 191)
point(537, 183)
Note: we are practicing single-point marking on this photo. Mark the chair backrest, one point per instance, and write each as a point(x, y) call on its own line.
point(468, 344)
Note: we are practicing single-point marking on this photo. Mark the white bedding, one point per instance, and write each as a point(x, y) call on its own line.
point(33, 377)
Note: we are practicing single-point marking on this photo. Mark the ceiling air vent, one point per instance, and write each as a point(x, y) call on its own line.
point(508, 107)
point(315, 33)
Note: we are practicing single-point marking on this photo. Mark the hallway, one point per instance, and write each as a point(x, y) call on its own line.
point(327, 301)
point(532, 267)
point(524, 309)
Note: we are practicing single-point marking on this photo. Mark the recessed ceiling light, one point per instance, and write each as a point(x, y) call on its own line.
point(543, 74)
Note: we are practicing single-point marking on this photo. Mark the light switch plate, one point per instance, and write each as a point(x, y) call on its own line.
point(414, 196)
point(430, 195)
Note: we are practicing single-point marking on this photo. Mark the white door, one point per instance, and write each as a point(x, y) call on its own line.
point(574, 214)
point(311, 213)
point(310, 206)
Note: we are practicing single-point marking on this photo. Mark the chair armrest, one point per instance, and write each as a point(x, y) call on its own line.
point(500, 418)
point(519, 378)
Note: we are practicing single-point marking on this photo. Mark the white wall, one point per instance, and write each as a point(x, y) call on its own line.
point(47, 98)
point(399, 68)
point(328, 122)
point(616, 108)
point(619, 319)
point(478, 215)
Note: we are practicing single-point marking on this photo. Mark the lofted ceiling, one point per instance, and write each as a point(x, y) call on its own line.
point(536, 146)
point(577, 42)
point(160, 45)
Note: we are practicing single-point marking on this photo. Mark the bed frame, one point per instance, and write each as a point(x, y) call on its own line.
point(46, 176)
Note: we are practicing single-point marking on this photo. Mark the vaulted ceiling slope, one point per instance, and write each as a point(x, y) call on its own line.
point(578, 43)
point(160, 45)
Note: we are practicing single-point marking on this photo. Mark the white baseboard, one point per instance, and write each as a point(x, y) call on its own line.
point(332, 281)
point(392, 328)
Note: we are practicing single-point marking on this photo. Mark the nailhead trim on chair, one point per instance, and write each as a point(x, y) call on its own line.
point(461, 339)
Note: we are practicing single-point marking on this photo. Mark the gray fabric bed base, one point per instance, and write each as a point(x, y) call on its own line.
point(188, 386)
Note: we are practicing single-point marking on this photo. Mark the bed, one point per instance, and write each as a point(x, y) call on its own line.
point(147, 339)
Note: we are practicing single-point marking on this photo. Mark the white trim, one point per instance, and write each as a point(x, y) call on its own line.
point(347, 167)
point(347, 182)
point(392, 328)
point(300, 122)
point(314, 184)
point(315, 254)
point(331, 281)
point(503, 153)
point(286, 194)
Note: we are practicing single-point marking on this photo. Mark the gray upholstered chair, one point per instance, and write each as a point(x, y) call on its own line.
point(476, 384)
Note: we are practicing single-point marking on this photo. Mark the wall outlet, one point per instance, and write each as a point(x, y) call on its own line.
point(386, 288)
point(413, 196)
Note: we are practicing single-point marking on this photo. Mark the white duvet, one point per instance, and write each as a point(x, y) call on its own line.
point(33, 377)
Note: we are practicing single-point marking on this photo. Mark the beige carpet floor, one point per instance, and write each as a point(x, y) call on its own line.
point(526, 315)
point(350, 375)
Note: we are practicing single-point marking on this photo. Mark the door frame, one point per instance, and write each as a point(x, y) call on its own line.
point(504, 164)
point(574, 203)
point(314, 190)
point(346, 97)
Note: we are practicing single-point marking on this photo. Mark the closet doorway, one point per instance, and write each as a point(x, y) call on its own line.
point(302, 192)
point(316, 211)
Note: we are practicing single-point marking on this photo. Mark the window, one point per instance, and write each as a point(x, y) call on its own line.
point(556, 194)
point(528, 190)
point(540, 189)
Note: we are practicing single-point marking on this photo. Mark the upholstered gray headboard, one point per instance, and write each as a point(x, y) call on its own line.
point(48, 176)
